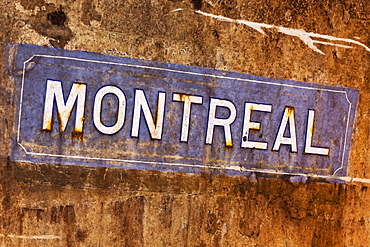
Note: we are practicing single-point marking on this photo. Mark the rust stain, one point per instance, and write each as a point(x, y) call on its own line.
point(79, 84)
point(133, 74)
point(184, 97)
point(290, 110)
point(229, 143)
point(49, 126)
point(81, 120)
point(45, 130)
point(310, 130)
point(60, 119)
point(77, 135)
point(30, 64)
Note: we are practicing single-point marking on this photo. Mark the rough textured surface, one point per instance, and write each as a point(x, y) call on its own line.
point(83, 206)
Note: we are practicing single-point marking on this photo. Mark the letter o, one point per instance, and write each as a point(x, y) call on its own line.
point(109, 130)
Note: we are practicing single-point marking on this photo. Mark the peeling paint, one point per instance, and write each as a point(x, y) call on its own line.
point(30, 236)
point(306, 37)
point(20, 8)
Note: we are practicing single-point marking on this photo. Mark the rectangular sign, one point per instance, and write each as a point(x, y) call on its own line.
point(80, 108)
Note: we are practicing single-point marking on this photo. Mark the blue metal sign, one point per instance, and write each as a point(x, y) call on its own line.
point(79, 108)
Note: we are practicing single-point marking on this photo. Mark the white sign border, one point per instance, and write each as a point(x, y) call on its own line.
point(230, 167)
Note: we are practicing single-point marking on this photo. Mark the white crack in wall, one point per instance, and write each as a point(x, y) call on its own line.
point(308, 38)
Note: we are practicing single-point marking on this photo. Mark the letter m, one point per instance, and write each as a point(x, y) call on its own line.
point(54, 90)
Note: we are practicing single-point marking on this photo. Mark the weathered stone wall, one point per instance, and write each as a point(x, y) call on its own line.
point(86, 206)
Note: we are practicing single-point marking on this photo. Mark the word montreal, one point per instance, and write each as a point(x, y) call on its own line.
point(54, 94)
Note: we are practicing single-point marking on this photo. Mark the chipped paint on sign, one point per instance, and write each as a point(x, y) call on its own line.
point(79, 108)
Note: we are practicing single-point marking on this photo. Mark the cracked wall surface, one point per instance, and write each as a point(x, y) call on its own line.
point(323, 42)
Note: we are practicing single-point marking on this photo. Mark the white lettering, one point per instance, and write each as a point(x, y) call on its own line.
point(188, 101)
point(280, 139)
point(248, 125)
point(142, 104)
point(224, 122)
point(309, 133)
point(109, 130)
point(54, 90)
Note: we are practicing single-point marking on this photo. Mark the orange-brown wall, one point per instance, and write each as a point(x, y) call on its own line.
point(59, 205)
